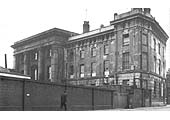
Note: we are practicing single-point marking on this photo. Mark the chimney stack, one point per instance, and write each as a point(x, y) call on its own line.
point(86, 27)
point(115, 15)
point(147, 10)
point(138, 9)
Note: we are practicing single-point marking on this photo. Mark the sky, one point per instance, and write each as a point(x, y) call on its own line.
point(20, 19)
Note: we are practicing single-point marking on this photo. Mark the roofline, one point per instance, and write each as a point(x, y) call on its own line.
point(14, 75)
point(141, 15)
point(43, 33)
point(93, 32)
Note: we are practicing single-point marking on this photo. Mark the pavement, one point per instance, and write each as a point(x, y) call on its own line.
point(158, 108)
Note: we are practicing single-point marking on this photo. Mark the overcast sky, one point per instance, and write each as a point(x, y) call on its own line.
point(20, 19)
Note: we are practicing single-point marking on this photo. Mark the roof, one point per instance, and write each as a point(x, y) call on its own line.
point(138, 13)
point(93, 32)
point(3, 69)
point(13, 75)
point(53, 30)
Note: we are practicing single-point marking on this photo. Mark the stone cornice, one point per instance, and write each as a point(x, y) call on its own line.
point(43, 35)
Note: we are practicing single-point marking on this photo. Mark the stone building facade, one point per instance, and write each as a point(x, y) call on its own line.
point(42, 56)
point(130, 51)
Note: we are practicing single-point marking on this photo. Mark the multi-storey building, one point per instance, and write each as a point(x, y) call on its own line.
point(130, 51)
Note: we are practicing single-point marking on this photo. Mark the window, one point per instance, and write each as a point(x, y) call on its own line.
point(81, 70)
point(82, 53)
point(126, 39)
point(154, 64)
point(159, 48)
point(144, 39)
point(163, 69)
point(71, 54)
point(154, 90)
point(144, 61)
point(163, 51)
point(49, 52)
point(159, 67)
point(36, 74)
point(106, 49)
point(35, 55)
point(106, 68)
point(71, 71)
point(93, 69)
point(159, 89)
point(49, 72)
point(125, 61)
point(154, 41)
point(93, 51)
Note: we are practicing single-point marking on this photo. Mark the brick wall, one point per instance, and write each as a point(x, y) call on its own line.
point(35, 95)
point(11, 94)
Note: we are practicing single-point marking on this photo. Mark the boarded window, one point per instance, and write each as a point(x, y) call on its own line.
point(144, 39)
point(126, 39)
point(144, 61)
point(125, 61)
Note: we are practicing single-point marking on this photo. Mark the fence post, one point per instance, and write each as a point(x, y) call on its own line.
point(150, 98)
point(92, 98)
point(112, 99)
point(23, 96)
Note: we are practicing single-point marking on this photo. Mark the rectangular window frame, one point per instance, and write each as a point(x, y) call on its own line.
point(126, 39)
point(49, 72)
point(106, 49)
point(144, 61)
point(144, 41)
point(93, 52)
point(159, 48)
point(82, 54)
point(106, 64)
point(82, 70)
point(126, 61)
point(154, 42)
point(93, 69)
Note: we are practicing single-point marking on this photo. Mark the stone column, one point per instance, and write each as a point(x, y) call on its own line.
point(54, 64)
point(41, 64)
point(57, 63)
point(26, 57)
point(14, 62)
point(16, 66)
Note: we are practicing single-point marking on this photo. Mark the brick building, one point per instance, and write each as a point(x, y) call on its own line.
point(130, 51)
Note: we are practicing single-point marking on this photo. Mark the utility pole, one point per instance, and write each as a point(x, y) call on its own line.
point(5, 61)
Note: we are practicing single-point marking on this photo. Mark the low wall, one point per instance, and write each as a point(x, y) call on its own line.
point(19, 94)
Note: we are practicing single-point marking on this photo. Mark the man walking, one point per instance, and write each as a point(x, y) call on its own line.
point(64, 101)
